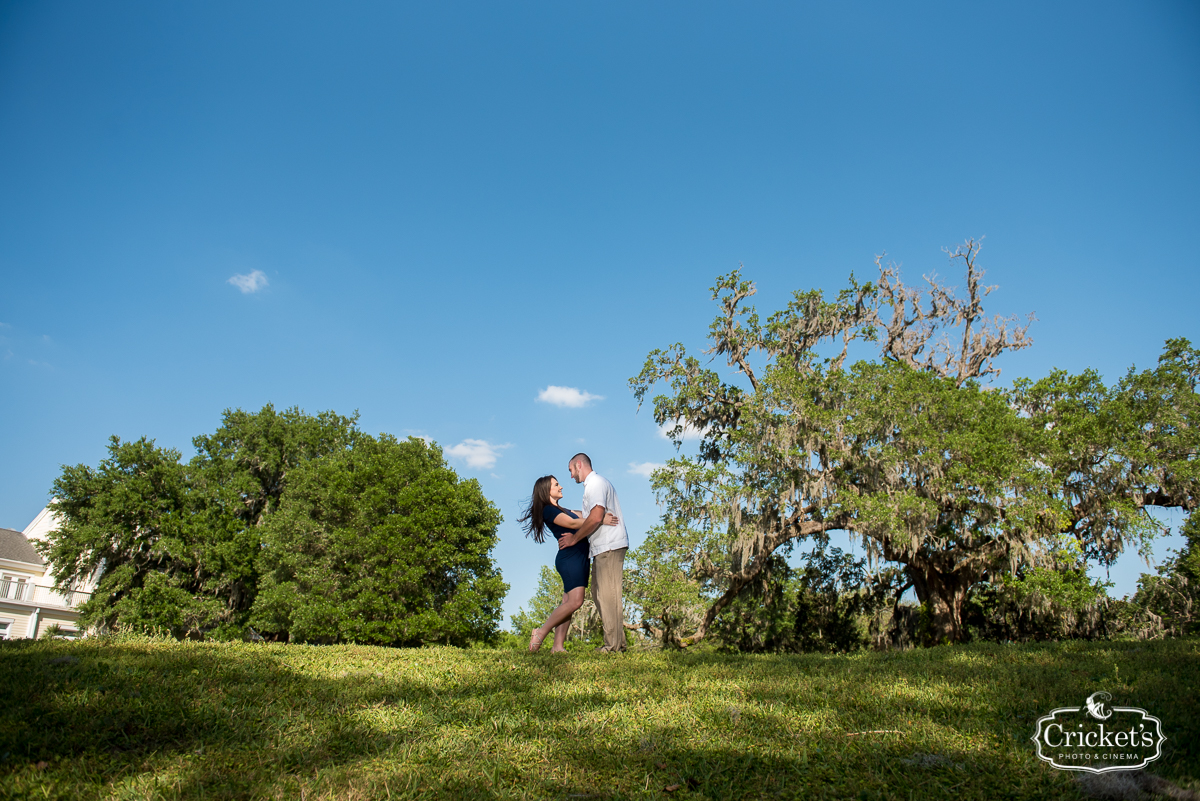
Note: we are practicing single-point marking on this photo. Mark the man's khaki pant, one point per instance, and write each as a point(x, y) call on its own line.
point(607, 571)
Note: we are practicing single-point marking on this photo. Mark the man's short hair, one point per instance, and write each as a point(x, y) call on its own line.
point(581, 457)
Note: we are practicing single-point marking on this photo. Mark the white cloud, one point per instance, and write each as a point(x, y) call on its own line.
point(644, 468)
point(250, 282)
point(419, 434)
point(567, 397)
point(689, 432)
point(477, 453)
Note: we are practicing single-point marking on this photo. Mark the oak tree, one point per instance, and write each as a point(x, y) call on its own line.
point(955, 480)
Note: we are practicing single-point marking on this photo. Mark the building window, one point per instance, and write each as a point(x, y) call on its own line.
point(5, 629)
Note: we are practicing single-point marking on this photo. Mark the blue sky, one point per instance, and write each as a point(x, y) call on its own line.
point(452, 207)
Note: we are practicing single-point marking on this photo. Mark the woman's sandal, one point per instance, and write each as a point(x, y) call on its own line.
point(535, 642)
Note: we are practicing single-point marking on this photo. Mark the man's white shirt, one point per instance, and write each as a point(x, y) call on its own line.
point(598, 492)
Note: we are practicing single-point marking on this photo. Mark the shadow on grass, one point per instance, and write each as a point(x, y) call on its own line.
point(145, 719)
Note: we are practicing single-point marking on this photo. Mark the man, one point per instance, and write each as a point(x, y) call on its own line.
point(606, 548)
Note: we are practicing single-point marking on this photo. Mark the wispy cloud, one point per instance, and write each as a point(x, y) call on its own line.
point(567, 397)
point(477, 453)
point(689, 432)
point(420, 434)
point(250, 282)
point(644, 468)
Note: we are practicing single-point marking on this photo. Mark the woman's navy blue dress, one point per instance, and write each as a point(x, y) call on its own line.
point(572, 563)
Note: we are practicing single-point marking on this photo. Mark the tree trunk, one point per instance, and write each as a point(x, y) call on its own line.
point(943, 595)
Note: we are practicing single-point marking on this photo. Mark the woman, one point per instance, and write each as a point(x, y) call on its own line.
point(571, 562)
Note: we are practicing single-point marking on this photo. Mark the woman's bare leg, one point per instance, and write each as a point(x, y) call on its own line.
point(560, 637)
point(560, 633)
point(571, 601)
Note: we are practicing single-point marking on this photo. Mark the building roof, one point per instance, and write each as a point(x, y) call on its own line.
point(14, 546)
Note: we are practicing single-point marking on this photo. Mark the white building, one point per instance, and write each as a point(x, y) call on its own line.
point(28, 603)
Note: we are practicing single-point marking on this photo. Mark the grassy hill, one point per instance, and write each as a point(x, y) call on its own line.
point(134, 718)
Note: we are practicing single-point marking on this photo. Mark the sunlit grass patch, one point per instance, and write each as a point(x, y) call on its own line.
point(128, 718)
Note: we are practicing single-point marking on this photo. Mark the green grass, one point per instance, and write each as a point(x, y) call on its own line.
point(128, 718)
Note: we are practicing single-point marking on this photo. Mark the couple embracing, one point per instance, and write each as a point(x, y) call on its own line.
point(595, 533)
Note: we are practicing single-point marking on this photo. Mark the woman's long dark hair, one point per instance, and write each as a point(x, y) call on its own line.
point(532, 520)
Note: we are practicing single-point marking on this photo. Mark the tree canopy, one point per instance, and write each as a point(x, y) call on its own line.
point(380, 544)
point(955, 480)
point(183, 547)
